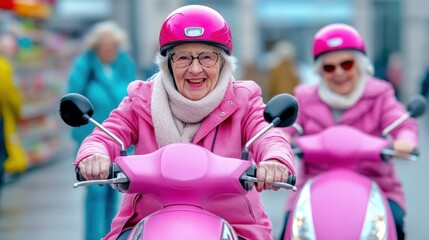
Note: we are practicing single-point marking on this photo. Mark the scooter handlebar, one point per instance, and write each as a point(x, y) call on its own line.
point(250, 176)
point(386, 154)
point(389, 152)
point(116, 176)
point(113, 171)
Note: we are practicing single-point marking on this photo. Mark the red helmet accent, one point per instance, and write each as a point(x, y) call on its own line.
point(335, 37)
point(195, 23)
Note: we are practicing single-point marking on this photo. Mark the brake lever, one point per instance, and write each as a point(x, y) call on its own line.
point(120, 179)
point(413, 156)
point(275, 184)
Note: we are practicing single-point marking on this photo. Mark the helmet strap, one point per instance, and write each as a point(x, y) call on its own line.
point(170, 69)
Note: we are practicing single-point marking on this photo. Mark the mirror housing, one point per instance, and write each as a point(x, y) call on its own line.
point(75, 109)
point(283, 107)
point(416, 106)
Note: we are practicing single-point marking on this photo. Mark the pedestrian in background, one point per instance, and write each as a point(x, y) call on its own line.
point(102, 74)
point(424, 87)
point(394, 72)
point(282, 74)
point(12, 154)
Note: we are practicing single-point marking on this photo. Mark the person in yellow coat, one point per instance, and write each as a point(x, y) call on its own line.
point(12, 154)
point(282, 73)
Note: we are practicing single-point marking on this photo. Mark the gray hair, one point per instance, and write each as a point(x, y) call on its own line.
point(362, 62)
point(94, 36)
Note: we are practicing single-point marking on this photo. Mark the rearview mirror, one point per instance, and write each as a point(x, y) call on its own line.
point(282, 110)
point(75, 109)
point(416, 106)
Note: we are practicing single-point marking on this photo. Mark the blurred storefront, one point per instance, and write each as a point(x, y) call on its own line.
point(40, 66)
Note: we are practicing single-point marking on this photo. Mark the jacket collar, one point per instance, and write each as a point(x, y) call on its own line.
point(229, 104)
point(317, 106)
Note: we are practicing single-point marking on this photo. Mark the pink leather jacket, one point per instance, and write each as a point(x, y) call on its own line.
point(237, 118)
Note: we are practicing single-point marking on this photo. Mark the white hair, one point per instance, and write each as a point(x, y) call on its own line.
point(94, 36)
point(229, 61)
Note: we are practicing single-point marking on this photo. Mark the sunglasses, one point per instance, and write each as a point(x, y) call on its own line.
point(345, 65)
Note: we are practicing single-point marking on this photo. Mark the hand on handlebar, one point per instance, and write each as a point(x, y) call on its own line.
point(403, 147)
point(268, 172)
point(95, 167)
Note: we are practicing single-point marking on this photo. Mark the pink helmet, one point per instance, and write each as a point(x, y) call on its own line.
point(195, 23)
point(335, 37)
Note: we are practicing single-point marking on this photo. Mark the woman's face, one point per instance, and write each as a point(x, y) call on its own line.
point(196, 68)
point(107, 48)
point(340, 71)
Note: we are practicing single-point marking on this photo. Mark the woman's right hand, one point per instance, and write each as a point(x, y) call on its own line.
point(95, 167)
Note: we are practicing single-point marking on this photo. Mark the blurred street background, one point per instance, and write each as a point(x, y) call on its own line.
point(40, 203)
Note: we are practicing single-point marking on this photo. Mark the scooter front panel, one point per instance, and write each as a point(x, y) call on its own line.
point(183, 173)
point(182, 223)
point(339, 200)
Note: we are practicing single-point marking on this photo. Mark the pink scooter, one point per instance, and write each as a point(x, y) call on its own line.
point(341, 203)
point(183, 175)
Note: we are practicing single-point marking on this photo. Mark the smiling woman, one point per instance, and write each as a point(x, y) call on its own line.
point(348, 94)
point(193, 98)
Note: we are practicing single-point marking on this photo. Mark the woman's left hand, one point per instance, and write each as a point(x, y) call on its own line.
point(403, 147)
point(268, 172)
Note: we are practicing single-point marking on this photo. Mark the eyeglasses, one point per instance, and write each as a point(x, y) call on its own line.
point(185, 59)
point(345, 65)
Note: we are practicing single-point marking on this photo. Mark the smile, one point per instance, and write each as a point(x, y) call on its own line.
point(195, 81)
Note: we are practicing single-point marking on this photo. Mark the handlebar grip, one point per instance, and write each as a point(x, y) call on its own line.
point(79, 176)
point(291, 179)
point(389, 152)
point(113, 170)
point(415, 152)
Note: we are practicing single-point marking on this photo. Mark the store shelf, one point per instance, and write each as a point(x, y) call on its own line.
point(42, 79)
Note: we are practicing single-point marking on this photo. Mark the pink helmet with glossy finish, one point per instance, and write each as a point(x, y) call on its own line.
point(195, 23)
point(335, 37)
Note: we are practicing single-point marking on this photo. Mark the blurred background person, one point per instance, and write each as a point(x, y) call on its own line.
point(282, 76)
point(394, 72)
point(388, 67)
point(424, 85)
point(101, 73)
point(12, 153)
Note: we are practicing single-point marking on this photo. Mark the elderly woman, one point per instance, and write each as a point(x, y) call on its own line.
point(193, 98)
point(102, 73)
point(348, 94)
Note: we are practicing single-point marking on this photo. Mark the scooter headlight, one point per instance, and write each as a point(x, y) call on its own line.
point(137, 232)
point(375, 225)
point(227, 232)
point(302, 225)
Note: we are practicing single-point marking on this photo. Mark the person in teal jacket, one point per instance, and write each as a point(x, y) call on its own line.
point(101, 73)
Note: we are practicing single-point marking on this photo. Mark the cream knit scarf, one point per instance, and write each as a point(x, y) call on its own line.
point(177, 118)
point(338, 101)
